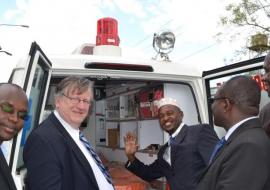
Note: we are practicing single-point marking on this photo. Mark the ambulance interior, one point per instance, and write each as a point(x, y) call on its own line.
point(122, 105)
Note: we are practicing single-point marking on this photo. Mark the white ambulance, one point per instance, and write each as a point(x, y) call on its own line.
point(124, 94)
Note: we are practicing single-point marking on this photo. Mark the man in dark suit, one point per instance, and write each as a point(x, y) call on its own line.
point(183, 158)
point(56, 154)
point(242, 162)
point(13, 112)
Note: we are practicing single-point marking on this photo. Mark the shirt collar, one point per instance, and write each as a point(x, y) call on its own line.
point(235, 126)
point(74, 133)
point(177, 130)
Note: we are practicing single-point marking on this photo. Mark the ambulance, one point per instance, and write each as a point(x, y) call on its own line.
point(125, 92)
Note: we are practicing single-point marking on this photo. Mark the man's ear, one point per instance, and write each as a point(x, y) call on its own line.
point(56, 101)
point(227, 105)
point(181, 114)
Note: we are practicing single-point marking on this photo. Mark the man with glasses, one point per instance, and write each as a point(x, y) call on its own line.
point(265, 111)
point(13, 113)
point(57, 155)
point(241, 159)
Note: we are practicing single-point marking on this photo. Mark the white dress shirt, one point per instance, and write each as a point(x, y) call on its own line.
point(235, 126)
point(74, 133)
point(167, 153)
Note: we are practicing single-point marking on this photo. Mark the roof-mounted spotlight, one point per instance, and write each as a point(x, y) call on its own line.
point(163, 43)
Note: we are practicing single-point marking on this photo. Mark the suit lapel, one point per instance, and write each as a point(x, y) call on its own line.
point(76, 150)
point(178, 140)
point(252, 123)
point(161, 156)
point(6, 174)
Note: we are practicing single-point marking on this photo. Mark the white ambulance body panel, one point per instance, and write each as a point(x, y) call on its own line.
point(120, 96)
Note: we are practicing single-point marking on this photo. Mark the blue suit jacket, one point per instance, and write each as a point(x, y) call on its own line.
point(190, 153)
point(54, 161)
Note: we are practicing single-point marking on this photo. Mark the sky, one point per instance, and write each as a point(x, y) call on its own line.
point(60, 26)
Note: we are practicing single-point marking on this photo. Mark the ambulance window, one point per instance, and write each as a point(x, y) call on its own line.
point(35, 101)
point(255, 73)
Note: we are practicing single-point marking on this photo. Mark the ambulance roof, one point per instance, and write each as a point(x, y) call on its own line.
point(161, 67)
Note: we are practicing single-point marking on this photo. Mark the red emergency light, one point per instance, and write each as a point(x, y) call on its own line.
point(107, 32)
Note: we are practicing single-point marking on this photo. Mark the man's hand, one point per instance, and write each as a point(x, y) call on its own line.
point(131, 146)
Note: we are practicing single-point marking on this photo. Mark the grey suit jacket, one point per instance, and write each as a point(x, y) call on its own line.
point(6, 180)
point(243, 163)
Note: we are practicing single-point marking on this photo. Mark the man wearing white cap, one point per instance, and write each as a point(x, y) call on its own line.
point(183, 158)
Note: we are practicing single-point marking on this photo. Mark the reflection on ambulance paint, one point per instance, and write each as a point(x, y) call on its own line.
point(258, 79)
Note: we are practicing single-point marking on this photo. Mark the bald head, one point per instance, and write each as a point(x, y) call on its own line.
point(9, 89)
point(245, 94)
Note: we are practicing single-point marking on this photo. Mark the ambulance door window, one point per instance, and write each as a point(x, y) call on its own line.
point(36, 97)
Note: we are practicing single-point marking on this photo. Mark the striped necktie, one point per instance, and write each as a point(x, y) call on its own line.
point(217, 148)
point(96, 158)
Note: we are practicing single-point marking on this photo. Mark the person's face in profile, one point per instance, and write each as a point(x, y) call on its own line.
point(218, 104)
point(170, 118)
point(13, 112)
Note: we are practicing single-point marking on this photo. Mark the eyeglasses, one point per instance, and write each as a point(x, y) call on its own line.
point(77, 100)
point(211, 100)
point(8, 108)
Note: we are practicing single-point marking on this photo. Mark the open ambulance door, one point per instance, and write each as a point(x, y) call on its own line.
point(215, 78)
point(34, 77)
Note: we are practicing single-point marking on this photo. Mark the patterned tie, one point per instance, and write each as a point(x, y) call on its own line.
point(96, 158)
point(217, 148)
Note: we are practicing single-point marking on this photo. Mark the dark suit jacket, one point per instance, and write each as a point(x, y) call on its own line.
point(54, 161)
point(6, 180)
point(190, 153)
point(265, 118)
point(243, 163)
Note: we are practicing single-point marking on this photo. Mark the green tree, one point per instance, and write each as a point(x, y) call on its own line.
point(254, 13)
point(251, 15)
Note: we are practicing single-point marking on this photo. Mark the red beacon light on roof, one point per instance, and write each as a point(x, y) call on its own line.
point(107, 32)
point(107, 39)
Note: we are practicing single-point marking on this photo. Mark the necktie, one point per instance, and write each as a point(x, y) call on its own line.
point(167, 153)
point(170, 140)
point(217, 148)
point(96, 158)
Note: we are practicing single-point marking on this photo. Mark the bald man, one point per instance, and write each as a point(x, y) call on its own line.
point(182, 159)
point(13, 113)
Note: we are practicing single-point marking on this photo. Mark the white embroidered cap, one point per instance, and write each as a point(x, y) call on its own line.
point(167, 101)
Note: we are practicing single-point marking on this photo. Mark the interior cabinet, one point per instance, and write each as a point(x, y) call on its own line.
point(135, 112)
point(147, 98)
point(128, 107)
point(112, 108)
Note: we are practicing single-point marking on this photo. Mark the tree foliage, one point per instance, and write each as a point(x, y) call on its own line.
point(254, 16)
point(254, 13)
